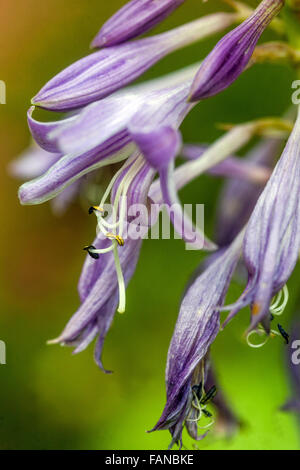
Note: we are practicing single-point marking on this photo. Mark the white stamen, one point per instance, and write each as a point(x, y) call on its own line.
point(104, 250)
point(121, 282)
point(276, 308)
point(260, 332)
point(136, 163)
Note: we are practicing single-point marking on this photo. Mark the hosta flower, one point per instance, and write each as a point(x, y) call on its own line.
point(135, 18)
point(197, 326)
point(272, 239)
point(136, 132)
point(231, 55)
point(101, 73)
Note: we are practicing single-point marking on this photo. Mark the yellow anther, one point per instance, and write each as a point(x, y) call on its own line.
point(97, 208)
point(117, 238)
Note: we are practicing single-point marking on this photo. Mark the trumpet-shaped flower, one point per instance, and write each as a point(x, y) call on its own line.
point(272, 239)
point(232, 54)
point(196, 328)
point(101, 73)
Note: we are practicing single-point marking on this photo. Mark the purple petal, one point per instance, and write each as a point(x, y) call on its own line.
point(72, 167)
point(159, 146)
point(135, 18)
point(103, 289)
point(32, 163)
point(231, 55)
point(196, 328)
point(41, 131)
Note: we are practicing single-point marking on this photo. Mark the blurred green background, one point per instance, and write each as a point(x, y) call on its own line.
point(50, 399)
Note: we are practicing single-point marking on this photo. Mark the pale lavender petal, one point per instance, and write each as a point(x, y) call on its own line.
point(231, 55)
point(160, 146)
point(32, 163)
point(133, 19)
point(41, 131)
point(166, 106)
point(72, 167)
point(103, 289)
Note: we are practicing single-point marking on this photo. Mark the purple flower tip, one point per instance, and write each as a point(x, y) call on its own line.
point(231, 55)
point(135, 18)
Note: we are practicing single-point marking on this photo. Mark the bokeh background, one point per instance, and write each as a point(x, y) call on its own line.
point(50, 399)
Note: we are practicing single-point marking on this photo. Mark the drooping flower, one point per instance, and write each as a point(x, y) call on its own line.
point(232, 54)
point(196, 328)
point(272, 239)
point(85, 148)
point(135, 18)
point(100, 74)
point(108, 271)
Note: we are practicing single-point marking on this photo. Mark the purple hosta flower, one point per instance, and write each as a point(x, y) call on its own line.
point(232, 54)
point(197, 326)
point(238, 198)
point(112, 259)
point(160, 102)
point(293, 363)
point(85, 148)
point(272, 239)
point(101, 73)
point(111, 263)
point(33, 163)
point(135, 18)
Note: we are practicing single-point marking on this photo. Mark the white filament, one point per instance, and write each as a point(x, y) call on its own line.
point(276, 308)
point(121, 282)
point(260, 332)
